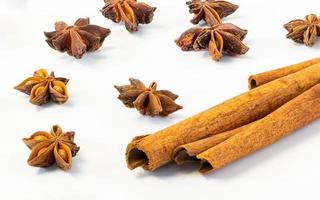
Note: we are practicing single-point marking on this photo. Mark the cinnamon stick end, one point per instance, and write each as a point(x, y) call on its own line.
point(206, 167)
point(181, 156)
point(136, 158)
point(252, 82)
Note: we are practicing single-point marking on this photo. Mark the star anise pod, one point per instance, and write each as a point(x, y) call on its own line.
point(49, 148)
point(148, 100)
point(211, 11)
point(43, 87)
point(78, 39)
point(219, 39)
point(130, 12)
point(304, 31)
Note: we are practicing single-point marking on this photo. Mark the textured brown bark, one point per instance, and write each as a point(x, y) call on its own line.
point(291, 116)
point(265, 77)
point(155, 150)
point(188, 152)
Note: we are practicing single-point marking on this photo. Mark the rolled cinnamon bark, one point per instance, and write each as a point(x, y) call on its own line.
point(265, 77)
point(156, 149)
point(188, 152)
point(293, 115)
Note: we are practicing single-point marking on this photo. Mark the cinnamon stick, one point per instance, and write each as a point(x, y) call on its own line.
point(293, 115)
point(265, 77)
point(155, 150)
point(188, 152)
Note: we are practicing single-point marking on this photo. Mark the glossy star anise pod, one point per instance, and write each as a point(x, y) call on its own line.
point(211, 11)
point(148, 100)
point(49, 148)
point(43, 87)
point(219, 39)
point(130, 12)
point(304, 31)
point(78, 39)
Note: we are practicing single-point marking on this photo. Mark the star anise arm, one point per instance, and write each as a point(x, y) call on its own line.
point(232, 45)
point(211, 16)
point(78, 47)
point(36, 138)
point(148, 104)
point(293, 24)
point(168, 93)
point(63, 156)
point(233, 29)
point(215, 46)
point(143, 12)
point(42, 154)
point(187, 39)
point(223, 8)
point(168, 105)
point(82, 22)
point(310, 36)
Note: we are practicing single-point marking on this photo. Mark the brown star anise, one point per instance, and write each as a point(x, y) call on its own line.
point(304, 31)
point(211, 11)
point(219, 39)
point(49, 148)
point(43, 87)
point(148, 101)
point(130, 12)
point(77, 39)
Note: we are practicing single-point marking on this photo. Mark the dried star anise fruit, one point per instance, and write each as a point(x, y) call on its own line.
point(304, 31)
point(43, 87)
point(219, 39)
point(130, 12)
point(49, 148)
point(211, 11)
point(78, 39)
point(148, 100)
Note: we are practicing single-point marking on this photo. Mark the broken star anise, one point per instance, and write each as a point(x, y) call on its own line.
point(43, 87)
point(130, 12)
point(304, 31)
point(148, 100)
point(211, 11)
point(78, 39)
point(49, 148)
point(219, 39)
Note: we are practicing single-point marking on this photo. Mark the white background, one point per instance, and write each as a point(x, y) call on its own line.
point(288, 169)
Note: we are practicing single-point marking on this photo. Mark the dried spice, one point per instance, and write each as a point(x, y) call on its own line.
point(130, 12)
point(304, 31)
point(43, 87)
point(219, 39)
point(78, 39)
point(154, 150)
point(148, 101)
point(49, 148)
point(211, 11)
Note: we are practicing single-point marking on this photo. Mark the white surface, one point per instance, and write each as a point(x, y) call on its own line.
point(288, 169)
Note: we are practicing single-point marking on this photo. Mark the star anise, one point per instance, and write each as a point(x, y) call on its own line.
point(148, 100)
point(219, 39)
point(211, 11)
point(49, 148)
point(304, 31)
point(43, 87)
point(78, 39)
point(130, 12)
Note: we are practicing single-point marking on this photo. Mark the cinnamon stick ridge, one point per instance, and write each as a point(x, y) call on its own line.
point(188, 152)
point(265, 77)
point(155, 150)
point(293, 115)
